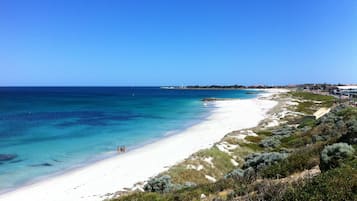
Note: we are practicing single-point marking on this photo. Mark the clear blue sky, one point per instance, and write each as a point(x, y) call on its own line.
point(167, 42)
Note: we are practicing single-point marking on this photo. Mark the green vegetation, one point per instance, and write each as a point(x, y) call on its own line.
point(275, 165)
point(255, 139)
point(306, 107)
point(335, 184)
point(221, 160)
point(333, 155)
point(302, 159)
point(260, 160)
point(161, 184)
point(271, 142)
point(326, 100)
point(310, 101)
point(309, 121)
point(220, 165)
point(250, 147)
point(264, 132)
point(180, 174)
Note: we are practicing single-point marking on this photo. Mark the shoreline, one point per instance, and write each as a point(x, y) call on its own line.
point(216, 88)
point(103, 178)
point(102, 157)
point(105, 156)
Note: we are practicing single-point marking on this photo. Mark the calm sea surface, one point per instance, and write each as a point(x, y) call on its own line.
point(47, 130)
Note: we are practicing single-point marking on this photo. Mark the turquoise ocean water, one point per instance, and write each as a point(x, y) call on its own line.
point(48, 130)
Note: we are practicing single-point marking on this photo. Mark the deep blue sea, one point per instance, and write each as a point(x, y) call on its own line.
point(47, 130)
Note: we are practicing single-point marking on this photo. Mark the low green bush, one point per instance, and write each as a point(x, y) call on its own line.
point(305, 121)
point(260, 160)
point(333, 155)
point(160, 184)
point(240, 174)
point(351, 135)
point(296, 141)
point(271, 142)
point(284, 131)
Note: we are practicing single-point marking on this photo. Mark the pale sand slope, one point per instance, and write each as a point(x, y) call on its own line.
point(93, 182)
point(321, 112)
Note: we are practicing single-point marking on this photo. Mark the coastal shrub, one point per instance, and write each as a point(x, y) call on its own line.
point(237, 173)
point(340, 124)
point(189, 184)
point(240, 174)
point(264, 189)
point(331, 131)
point(335, 184)
point(345, 111)
point(329, 118)
point(336, 114)
point(352, 125)
point(238, 191)
point(176, 187)
point(218, 186)
point(318, 138)
point(302, 159)
point(272, 142)
point(296, 141)
point(284, 131)
point(159, 184)
point(332, 155)
point(260, 160)
point(328, 131)
point(349, 115)
point(267, 189)
point(351, 135)
point(277, 134)
point(307, 121)
point(305, 129)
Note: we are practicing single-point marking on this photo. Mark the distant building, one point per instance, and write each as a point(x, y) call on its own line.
point(348, 90)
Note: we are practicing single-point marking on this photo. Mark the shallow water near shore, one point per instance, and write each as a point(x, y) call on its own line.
point(49, 130)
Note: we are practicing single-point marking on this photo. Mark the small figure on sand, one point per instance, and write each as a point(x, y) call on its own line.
point(121, 149)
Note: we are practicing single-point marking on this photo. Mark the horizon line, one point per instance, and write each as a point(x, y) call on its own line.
point(270, 85)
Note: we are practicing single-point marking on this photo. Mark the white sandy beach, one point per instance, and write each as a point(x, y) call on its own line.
point(98, 180)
